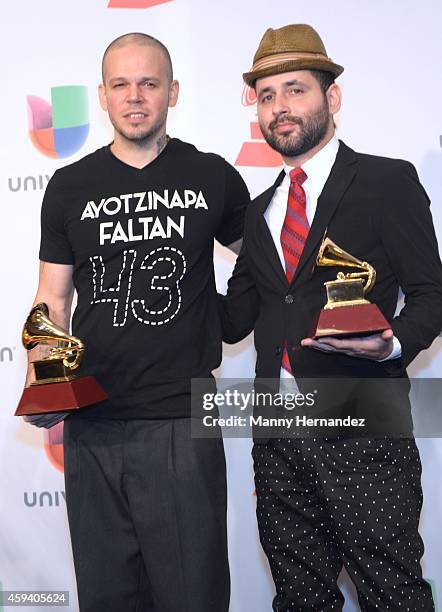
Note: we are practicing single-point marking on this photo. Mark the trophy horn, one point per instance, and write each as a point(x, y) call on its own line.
point(330, 254)
point(39, 328)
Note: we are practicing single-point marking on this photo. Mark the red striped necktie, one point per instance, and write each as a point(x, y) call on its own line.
point(294, 234)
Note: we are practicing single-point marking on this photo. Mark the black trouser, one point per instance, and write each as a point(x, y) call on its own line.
point(322, 504)
point(147, 515)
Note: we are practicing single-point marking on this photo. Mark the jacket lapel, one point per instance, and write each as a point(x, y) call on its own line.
point(268, 246)
point(340, 178)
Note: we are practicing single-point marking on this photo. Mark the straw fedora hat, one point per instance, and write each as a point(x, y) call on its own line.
point(292, 47)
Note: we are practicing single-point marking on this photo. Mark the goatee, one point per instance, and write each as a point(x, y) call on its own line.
point(312, 129)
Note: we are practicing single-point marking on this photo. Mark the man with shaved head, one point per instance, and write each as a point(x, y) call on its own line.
point(141, 39)
point(131, 228)
point(130, 48)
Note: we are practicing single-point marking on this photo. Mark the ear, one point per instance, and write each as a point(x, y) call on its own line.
point(174, 89)
point(102, 96)
point(334, 98)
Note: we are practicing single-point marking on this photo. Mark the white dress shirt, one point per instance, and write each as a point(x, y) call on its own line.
point(317, 169)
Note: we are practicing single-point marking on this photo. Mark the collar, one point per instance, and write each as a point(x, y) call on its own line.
point(323, 159)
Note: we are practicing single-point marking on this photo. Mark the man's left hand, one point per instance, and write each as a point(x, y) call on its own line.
point(376, 346)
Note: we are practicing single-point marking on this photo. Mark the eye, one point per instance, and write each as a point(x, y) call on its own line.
point(148, 84)
point(266, 98)
point(118, 85)
point(296, 91)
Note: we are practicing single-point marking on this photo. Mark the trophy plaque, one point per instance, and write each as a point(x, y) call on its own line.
point(347, 312)
point(56, 387)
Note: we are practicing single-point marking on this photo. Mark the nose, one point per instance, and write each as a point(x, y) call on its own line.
point(134, 94)
point(280, 105)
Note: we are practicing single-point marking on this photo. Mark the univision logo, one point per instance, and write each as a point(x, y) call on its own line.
point(135, 4)
point(61, 128)
point(28, 183)
point(7, 354)
point(44, 498)
point(432, 584)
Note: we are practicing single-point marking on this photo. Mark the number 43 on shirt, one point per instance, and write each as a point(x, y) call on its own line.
point(120, 293)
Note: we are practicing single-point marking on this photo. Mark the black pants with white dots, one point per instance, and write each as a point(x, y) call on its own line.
point(325, 503)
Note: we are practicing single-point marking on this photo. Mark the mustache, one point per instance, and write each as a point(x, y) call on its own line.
point(285, 119)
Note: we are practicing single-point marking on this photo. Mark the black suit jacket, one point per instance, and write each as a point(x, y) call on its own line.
point(374, 208)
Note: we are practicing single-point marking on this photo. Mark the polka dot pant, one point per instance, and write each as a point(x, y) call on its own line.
point(325, 503)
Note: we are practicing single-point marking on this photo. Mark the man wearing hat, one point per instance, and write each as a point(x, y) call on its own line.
point(324, 503)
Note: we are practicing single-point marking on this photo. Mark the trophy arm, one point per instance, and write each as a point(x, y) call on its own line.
point(369, 275)
point(71, 355)
point(77, 350)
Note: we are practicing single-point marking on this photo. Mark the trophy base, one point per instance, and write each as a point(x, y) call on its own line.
point(60, 396)
point(357, 320)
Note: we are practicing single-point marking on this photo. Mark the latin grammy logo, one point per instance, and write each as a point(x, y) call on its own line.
point(135, 4)
point(256, 152)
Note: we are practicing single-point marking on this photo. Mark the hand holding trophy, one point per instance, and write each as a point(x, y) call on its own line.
point(347, 311)
point(56, 389)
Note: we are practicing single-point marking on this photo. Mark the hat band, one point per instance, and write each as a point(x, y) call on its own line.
point(280, 58)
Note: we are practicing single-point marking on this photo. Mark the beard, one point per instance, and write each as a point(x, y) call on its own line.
point(312, 129)
point(139, 134)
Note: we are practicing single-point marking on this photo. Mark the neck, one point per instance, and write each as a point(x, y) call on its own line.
point(138, 153)
point(301, 159)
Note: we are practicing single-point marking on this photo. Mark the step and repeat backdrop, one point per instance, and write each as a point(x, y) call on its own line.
point(51, 53)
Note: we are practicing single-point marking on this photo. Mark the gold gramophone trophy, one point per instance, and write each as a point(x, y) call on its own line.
point(347, 312)
point(56, 388)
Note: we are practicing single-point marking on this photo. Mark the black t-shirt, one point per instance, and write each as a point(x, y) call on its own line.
point(141, 243)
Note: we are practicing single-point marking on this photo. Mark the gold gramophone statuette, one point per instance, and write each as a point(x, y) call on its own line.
point(57, 386)
point(349, 288)
point(63, 359)
point(347, 311)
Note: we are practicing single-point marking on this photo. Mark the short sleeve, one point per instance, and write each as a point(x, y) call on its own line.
point(54, 245)
point(236, 200)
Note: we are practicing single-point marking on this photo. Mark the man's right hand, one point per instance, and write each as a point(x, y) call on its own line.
point(45, 420)
point(41, 420)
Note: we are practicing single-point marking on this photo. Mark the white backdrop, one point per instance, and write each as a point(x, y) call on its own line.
point(391, 52)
